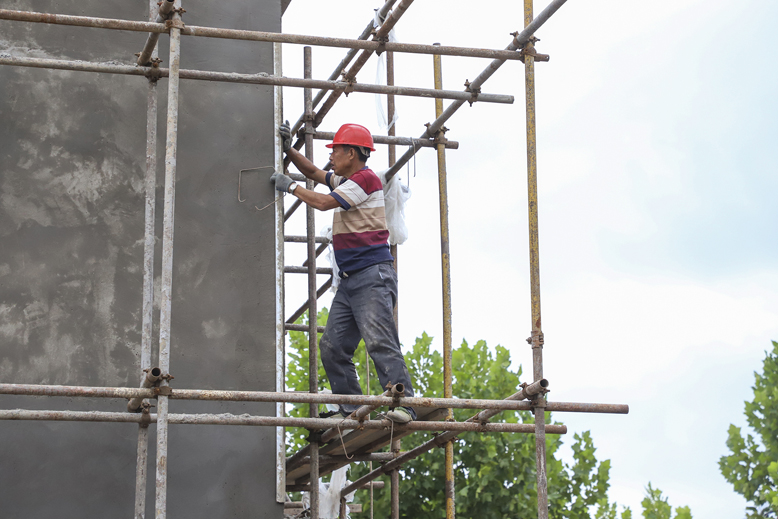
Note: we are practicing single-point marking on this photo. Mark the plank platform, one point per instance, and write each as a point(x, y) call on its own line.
point(355, 442)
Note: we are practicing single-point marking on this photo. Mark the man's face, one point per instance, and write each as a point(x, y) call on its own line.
point(340, 157)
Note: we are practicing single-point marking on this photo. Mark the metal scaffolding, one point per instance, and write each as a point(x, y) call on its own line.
point(324, 453)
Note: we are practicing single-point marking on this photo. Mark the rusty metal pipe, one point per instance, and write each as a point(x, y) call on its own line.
point(305, 270)
point(445, 269)
point(252, 79)
point(280, 307)
point(325, 458)
point(274, 421)
point(147, 309)
point(392, 140)
point(151, 41)
point(153, 376)
point(370, 46)
point(311, 270)
point(511, 403)
point(304, 239)
point(301, 328)
point(166, 297)
point(307, 487)
point(492, 407)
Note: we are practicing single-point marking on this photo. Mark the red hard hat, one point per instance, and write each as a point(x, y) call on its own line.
point(354, 135)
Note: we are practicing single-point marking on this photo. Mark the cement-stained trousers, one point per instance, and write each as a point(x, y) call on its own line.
point(363, 309)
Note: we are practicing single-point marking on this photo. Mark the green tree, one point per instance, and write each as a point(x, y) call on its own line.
point(752, 466)
point(655, 506)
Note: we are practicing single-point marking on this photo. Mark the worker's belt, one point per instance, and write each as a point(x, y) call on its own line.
point(344, 275)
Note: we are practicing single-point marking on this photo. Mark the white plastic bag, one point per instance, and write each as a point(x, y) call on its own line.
point(380, 79)
point(329, 495)
point(396, 194)
point(327, 233)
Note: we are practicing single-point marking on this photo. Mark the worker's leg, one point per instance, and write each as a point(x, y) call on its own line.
point(373, 293)
point(338, 344)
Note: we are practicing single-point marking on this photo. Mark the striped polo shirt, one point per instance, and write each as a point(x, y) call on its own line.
point(359, 233)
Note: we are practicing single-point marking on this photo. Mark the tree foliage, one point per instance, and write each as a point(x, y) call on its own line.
point(752, 466)
point(494, 472)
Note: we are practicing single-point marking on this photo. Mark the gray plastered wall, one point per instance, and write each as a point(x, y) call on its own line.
point(72, 161)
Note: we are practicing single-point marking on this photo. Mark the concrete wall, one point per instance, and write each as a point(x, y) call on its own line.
point(72, 159)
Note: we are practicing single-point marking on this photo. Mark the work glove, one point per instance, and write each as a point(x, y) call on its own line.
point(285, 131)
point(282, 182)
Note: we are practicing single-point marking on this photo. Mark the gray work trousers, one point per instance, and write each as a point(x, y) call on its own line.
point(363, 309)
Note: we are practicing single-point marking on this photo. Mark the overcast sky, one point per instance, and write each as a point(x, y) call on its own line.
point(657, 162)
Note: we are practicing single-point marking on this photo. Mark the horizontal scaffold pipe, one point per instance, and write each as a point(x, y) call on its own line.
point(300, 328)
point(304, 270)
point(401, 141)
point(304, 239)
point(272, 421)
point(518, 42)
point(252, 79)
point(234, 34)
point(320, 398)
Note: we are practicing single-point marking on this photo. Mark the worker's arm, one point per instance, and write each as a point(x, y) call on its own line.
point(316, 200)
point(305, 166)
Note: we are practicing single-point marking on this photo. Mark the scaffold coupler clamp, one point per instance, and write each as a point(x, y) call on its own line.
point(175, 23)
point(145, 416)
point(536, 339)
point(474, 91)
point(383, 40)
point(306, 128)
point(350, 80)
point(529, 50)
point(154, 72)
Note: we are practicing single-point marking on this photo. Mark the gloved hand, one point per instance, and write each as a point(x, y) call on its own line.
point(285, 131)
point(282, 182)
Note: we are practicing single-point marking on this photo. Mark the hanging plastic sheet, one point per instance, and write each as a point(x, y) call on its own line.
point(396, 195)
point(380, 79)
point(329, 495)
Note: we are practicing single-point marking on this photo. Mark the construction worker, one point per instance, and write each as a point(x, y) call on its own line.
point(364, 303)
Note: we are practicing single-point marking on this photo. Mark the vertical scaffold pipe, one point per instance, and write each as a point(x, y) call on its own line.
point(141, 465)
point(390, 112)
point(279, 278)
point(536, 338)
point(167, 262)
point(395, 478)
point(446, 273)
point(392, 131)
point(313, 366)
